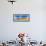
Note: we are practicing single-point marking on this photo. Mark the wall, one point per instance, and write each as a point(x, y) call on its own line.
point(36, 28)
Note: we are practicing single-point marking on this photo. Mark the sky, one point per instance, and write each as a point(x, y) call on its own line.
point(36, 28)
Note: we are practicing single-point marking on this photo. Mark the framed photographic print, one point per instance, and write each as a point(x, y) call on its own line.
point(21, 17)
